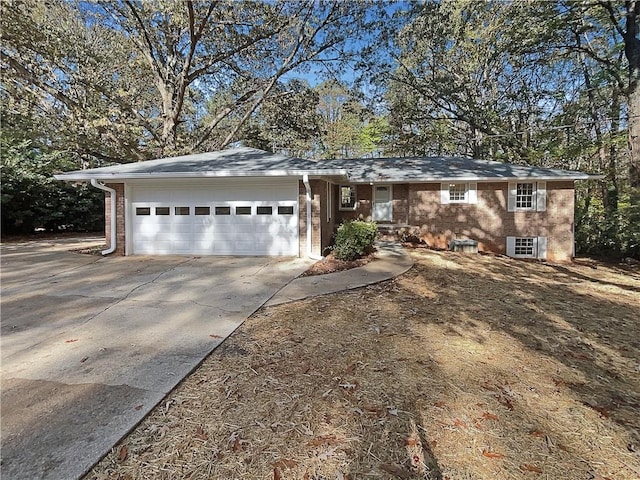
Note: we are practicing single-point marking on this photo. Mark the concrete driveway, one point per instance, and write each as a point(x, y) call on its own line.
point(90, 345)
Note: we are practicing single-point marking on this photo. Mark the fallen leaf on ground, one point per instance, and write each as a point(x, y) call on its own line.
point(322, 440)
point(122, 453)
point(489, 416)
point(138, 407)
point(216, 336)
point(489, 454)
point(459, 423)
point(284, 463)
point(530, 468)
point(201, 434)
point(72, 340)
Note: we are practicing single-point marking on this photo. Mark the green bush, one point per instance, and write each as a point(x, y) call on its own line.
point(614, 234)
point(353, 239)
point(31, 198)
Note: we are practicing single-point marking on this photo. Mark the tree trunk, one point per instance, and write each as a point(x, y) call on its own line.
point(634, 136)
point(632, 52)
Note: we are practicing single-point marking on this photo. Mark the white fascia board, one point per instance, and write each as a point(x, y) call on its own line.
point(477, 179)
point(80, 176)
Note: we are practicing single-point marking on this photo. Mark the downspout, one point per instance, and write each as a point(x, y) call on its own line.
point(112, 196)
point(307, 186)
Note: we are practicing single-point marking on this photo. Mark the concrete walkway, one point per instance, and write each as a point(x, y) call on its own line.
point(391, 260)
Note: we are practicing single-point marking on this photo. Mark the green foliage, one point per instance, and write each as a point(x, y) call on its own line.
point(609, 234)
point(31, 198)
point(354, 238)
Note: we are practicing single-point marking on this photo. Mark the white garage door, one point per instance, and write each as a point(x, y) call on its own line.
point(221, 217)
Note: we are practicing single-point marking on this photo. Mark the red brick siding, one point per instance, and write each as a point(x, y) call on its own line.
point(400, 208)
point(488, 221)
point(120, 224)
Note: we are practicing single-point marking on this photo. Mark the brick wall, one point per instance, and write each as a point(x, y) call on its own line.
point(120, 225)
point(400, 208)
point(488, 221)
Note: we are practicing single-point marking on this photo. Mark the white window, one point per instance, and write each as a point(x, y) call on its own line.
point(524, 196)
point(347, 197)
point(458, 192)
point(530, 196)
point(527, 247)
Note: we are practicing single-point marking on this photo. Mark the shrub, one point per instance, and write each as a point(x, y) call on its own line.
point(354, 238)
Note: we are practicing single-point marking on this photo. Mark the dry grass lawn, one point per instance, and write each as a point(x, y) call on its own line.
point(466, 367)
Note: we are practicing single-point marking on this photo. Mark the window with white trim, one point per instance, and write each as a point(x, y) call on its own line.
point(524, 196)
point(458, 192)
point(348, 198)
point(527, 196)
point(524, 247)
point(527, 247)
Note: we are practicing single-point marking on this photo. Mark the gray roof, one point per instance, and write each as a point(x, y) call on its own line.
point(241, 162)
point(232, 162)
point(424, 169)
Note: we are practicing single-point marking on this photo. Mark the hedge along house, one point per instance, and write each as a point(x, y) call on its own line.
point(249, 202)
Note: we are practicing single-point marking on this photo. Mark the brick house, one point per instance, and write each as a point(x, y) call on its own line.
point(249, 202)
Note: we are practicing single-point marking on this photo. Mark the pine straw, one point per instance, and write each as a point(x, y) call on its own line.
point(466, 367)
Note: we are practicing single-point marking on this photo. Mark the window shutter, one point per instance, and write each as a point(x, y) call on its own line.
point(542, 248)
point(473, 193)
point(444, 193)
point(541, 196)
point(511, 246)
point(511, 197)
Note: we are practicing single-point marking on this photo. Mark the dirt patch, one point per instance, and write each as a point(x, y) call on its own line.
point(331, 264)
point(95, 250)
point(465, 367)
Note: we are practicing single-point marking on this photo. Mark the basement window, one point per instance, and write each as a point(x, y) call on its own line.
point(348, 198)
point(527, 247)
point(524, 247)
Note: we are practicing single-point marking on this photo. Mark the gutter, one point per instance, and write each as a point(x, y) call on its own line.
point(82, 175)
point(307, 186)
point(112, 196)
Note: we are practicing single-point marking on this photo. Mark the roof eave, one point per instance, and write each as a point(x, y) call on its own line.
point(548, 178)
point(119, 176)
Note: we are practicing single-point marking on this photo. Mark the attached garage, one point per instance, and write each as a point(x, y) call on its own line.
point(222, 216)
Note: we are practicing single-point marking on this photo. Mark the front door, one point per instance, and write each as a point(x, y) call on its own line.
point(381, 203)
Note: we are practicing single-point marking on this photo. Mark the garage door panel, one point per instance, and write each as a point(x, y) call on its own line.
point(222, 218)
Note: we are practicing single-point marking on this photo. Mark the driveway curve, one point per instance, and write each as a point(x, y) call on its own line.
point(89, 345)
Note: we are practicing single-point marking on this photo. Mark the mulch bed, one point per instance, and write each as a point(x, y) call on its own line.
point(331, 264)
